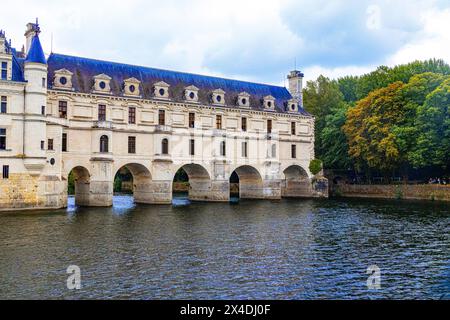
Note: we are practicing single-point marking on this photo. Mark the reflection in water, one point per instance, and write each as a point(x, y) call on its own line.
point(290, 249)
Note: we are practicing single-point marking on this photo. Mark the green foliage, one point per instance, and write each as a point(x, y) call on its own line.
point(433, 126)
point(320, 97)
point(181, 176)
point(384, 76)
point(117, 184)
point(315, 166)
point(71, 184)
point(334, 142)
point(347, 86)
point(387, 120)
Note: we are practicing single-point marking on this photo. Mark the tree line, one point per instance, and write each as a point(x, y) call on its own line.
point(392, 122)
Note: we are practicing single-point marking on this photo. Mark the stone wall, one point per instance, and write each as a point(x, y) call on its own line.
point(417, 192)
point(23, 191)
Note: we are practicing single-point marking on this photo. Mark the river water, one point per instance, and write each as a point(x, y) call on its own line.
point(289, 249)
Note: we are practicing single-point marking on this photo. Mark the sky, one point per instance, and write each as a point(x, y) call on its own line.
point(254, 40)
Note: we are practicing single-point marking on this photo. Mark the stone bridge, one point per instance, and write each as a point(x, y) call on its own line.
point(208, 180)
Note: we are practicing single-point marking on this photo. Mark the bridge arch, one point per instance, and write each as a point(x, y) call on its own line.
point(79, 181)
point(199, 181)
point(250, 182)
point(136, 178)
point(296, 182)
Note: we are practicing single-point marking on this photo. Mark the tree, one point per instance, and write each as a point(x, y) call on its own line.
point(320, 97)
point(334, 142)
point(383, 76)
point(369, 128)
point(414, 94)
point(347, 86)
point(315, 166)
point(433, 124)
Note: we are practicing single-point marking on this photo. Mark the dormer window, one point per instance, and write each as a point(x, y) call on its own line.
point(218, 97)
point(131, 87)
point(102, 84)
point(292, 106)
point(161, 90)
point(191, 94)
point(63, 79)
point(269, 103)
point(243, 100)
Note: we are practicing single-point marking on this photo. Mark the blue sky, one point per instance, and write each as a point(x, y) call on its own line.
point(247, 39)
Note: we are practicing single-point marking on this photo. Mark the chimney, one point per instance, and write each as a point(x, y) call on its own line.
point(296, 86)
point(32, 30)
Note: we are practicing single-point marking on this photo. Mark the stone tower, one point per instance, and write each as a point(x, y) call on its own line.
point(296, 85)
point(35, 74)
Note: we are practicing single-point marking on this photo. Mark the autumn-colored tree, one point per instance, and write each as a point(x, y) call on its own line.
point(369, 128)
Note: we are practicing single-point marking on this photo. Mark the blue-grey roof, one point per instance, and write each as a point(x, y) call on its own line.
point(17, 69)
point(36, 53)
point(85, 69)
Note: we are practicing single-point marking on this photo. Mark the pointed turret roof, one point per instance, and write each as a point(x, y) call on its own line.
point(36, 54)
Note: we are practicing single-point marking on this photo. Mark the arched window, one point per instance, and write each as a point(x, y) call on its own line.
point(165, 146)
point(223, 149)
point(274, 151)
point(104, 144)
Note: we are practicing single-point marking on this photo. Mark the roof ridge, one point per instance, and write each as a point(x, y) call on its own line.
point(167, 70)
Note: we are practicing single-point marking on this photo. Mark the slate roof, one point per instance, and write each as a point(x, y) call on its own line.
point(36, 54)
point(85, 69)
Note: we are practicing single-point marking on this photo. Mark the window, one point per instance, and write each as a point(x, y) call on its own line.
point(244, 124)
point(131, 144)
point(43, 82)
point(244, 149)
point(101, 112)
point(274, 150)
point(63, 109)
point(131, 115)
point(43, 110)
point(223, 149)
point(269, 126)
point(293, 128)
point(2, 139)
point(5, 172)
point(4, 105)
point(42, 145)
point(219, 122)
point(4, 70)
point(293, 151)
point(191, 120)
point(104, 144)
point(162, 118)
point(50, 144)
point(165, 146)
point(64, 142)
point(192, 147)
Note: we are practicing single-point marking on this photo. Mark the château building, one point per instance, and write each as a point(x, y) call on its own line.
point(61, 114)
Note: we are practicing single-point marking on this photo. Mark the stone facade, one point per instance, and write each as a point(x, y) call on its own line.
point(61, 118)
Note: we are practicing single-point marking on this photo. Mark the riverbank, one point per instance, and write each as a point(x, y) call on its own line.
point(401, 191)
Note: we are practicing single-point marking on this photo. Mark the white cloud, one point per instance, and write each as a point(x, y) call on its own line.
point(312, 72)
point(432, 42)
point(255, 40)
